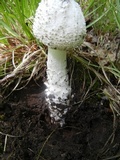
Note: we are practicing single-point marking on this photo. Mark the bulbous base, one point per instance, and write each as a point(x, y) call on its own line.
point(57, 111)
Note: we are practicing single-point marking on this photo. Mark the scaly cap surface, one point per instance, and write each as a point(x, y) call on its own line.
point(59, 24)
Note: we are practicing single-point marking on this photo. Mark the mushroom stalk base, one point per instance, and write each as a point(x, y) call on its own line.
point(58, 88)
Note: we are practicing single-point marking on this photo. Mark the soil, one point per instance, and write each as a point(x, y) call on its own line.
point(26, 132)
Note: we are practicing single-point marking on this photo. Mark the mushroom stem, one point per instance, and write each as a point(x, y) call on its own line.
point(58, 88)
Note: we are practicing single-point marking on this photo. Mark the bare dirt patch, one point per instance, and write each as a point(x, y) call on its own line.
point(27, 133)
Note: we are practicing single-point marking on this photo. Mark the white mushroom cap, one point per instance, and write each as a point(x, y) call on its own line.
point(59, 24)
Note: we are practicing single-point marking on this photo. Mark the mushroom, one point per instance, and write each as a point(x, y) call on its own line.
point(60, 25)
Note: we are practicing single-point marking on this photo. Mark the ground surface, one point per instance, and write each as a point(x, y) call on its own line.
point(27, 134)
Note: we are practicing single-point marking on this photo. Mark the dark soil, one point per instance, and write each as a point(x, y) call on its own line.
point(26, 132)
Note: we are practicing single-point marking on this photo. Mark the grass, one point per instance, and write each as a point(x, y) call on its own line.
point(19, 50)
point(104, 15)
point(16, 19)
